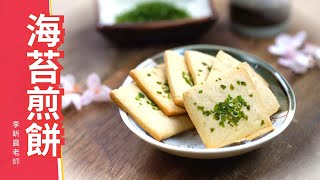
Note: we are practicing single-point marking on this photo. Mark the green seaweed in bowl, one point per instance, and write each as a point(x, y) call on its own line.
point(152, 11)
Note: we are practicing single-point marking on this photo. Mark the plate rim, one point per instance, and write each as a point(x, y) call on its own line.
point(242, 147)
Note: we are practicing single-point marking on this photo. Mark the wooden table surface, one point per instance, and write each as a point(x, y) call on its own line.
point(98, 145)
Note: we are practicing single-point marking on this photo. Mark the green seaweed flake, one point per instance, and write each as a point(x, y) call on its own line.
point(229, 111)
point(165, 89)
point(139, 96)
point(187, 78)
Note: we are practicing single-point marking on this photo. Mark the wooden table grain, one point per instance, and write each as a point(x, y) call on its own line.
point(99, 146)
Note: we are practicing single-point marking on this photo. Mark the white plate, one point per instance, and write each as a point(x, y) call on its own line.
point(188, 144)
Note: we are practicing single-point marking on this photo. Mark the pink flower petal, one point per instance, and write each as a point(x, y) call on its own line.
point(106, 88)
point(285, 45)
point(93, 81)
point(292, 56)
point(76, 101)
point(299, 64)
point(298, 39)
point(285, 62)
point(66, 101)
point(317, 54)
point(303, 60)
point(102, 97)
point(71, 98)
point(298, 69)
point(67, 82)
point(278, 50)
point(103, 94)
point(312, 50)
point(283, 39)
point(309, 48)
point(87, 97)
point(70, 78)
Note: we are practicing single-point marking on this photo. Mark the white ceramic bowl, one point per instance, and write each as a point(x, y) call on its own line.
point(188, 144)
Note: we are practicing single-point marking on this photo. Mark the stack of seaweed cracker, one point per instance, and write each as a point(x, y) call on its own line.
point(224, 99)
